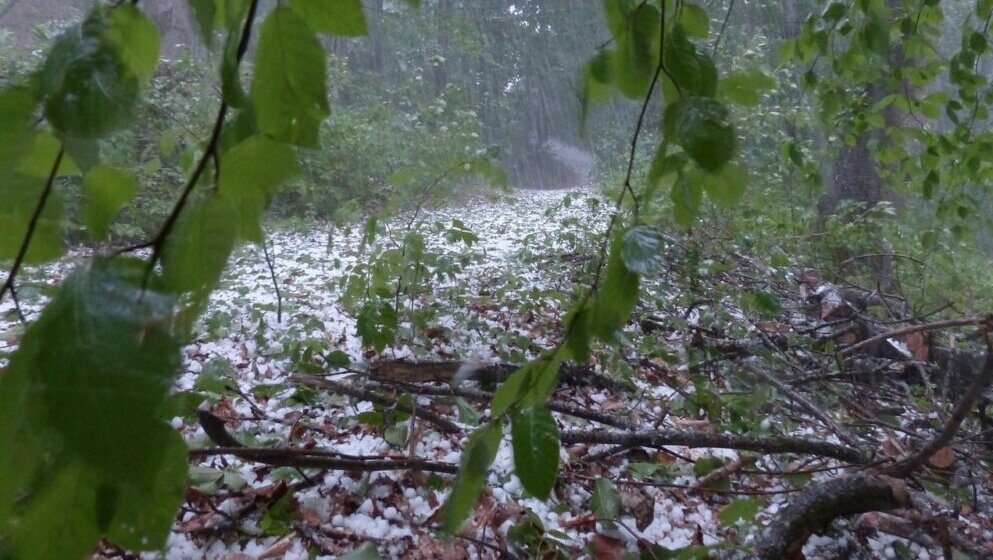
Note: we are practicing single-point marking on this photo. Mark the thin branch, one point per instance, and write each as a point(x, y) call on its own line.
point(483, 396)
point(767, 445)
point(724, 26)
point(270, 262)
point(17, 305)
point(214, 427)
point(158, 242)
point(939, 325)
point(443, 424)
point(784, 388)
point(907, 466)
point(307, 459)
point(32, 226)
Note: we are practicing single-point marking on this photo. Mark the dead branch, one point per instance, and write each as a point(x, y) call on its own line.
point(820, 504)
point(306, 459)
point(907, 466)
point(444, 372)
point(444, 424)
point(773, 444)
point(938, 325)
point(792, 394)
point(303, 458)
point(485, 397)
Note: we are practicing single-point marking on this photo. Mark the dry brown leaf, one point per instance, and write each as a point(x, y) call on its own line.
point(640, 506)
point(942, 458)
point(279, 548)
point(692, 423)
point(664, 458)
point(892, 449)
point(917, 344)
point(606, 548)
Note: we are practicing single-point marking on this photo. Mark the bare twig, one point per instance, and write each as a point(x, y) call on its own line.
point(907, 466)
point(784, 388)
point(32, 226)
point(939, 325)
point(768, 445)
point(443, 424)
point(270, 262)
point(308, 459)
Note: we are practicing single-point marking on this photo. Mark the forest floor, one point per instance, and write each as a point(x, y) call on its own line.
point(291, 371)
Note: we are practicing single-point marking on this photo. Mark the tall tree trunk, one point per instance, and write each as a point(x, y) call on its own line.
point(856, 174)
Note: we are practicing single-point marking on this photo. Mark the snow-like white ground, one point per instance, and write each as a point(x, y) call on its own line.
point(510, 292)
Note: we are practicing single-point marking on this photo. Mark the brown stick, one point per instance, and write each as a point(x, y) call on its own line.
point(484, 396)
point(662, 438)
point(32, 226)
point(303, 458)
point(907, 466)
point(939, 325)
point(796, 397)
point(820, 504)
point(443, 424)
point(306, 459)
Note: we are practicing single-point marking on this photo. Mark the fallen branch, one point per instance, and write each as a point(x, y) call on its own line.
point(445, 372)
point(485, 397)
point(765, 445)
point(975, 391)
point(820, 504)
point(445, 425)
point(308, 459)
point(302, 458)
point(270, 261)
point(843, 434)
point(939, 325)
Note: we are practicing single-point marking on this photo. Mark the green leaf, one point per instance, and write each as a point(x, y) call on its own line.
point(197, 251)
point(579, 332)
point(20, 197)
point(377, 324)
point(105, 191)
point(741, 509)
point(333, 17)
point(536, 450)
point(834, 12)
point(93, 371)
point(204, 12)
point(643, 249)
point(605, 502)
point(765, 303)
point(90, 90)
point(686, 196)
point(695, 20)
point(636, 56)
point(279, 517)
point(250, 174)
point(746, 87)
point(290, 87)
point(978, 42)
point(467, 413)
point(38, 157)
point(726, 186)
point(136, 39)
point(17, 106)
point(617, 295)
point(365, 551)
point(478, 454)
point(231, 90)
point(876, 36)
point(703, 130)
point(664, 165)
point(694, 72)
point(528, 386)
